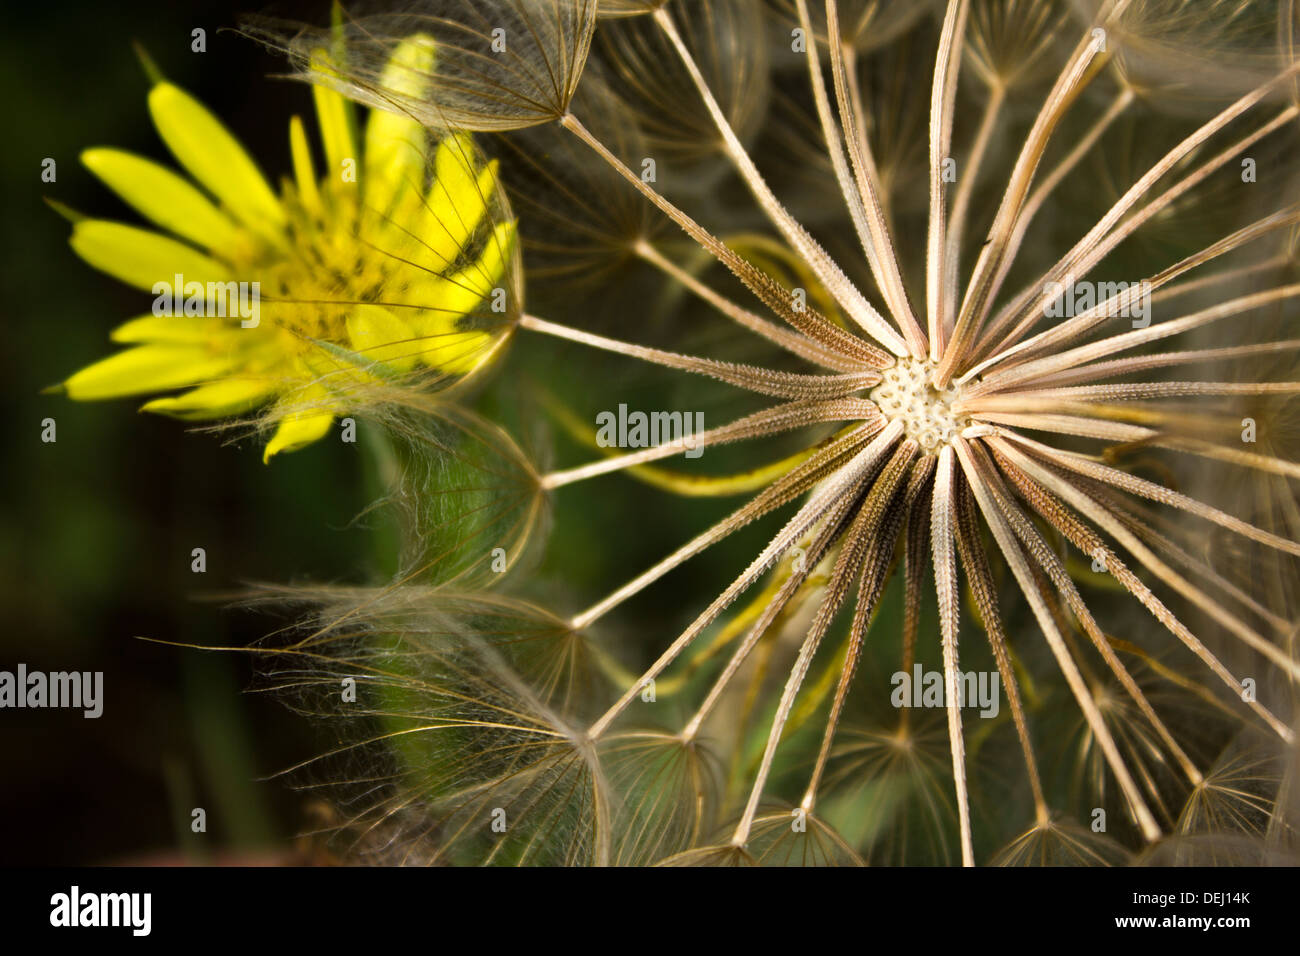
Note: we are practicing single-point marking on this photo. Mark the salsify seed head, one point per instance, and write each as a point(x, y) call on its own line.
point(963, 565)
point(907, 393)
point(968, 384)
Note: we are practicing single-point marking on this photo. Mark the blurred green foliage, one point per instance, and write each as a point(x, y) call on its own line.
point(99, 526)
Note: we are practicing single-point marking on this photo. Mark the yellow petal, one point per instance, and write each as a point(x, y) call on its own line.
point(336, 123)
point(215, 158)
point(458, 294)
point(380, 336)
point(222, 399)
point(141, 257)
point(394, 141)
point(458, 200)
point(180, 330)
point(448, 299)
point(303, 170)
point(459, 352)
point(162, 196)
point(488, 273)
point(298, 429)
point(146, 368)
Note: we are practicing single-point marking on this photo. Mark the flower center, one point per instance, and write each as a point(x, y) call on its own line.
point(905, 394)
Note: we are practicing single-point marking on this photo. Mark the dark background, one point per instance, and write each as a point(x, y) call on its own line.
point(98, 527)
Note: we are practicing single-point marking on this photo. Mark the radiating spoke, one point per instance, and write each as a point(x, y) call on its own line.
point(943, 521)
point(1023, 573)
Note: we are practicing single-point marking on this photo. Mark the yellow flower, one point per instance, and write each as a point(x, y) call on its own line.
point(393, 264)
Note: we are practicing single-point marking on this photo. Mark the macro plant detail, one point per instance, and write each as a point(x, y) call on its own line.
point(380, 270)
point(960, 470)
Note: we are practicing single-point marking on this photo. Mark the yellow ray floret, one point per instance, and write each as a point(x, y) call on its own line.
point(393, 261)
